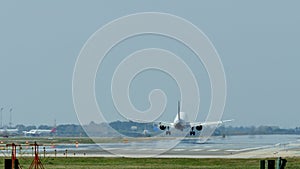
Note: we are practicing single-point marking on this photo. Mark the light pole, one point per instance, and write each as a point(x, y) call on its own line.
point(1, 115)
point(10, 117)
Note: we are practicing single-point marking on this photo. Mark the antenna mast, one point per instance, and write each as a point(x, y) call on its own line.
point(1, 110)
point(10, 117)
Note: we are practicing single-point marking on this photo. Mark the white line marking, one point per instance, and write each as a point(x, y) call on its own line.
point(178, 149)
point(196, 150)
point(233, 150)
point(213, 150)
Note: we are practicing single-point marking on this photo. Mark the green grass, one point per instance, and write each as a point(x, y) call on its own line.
point(145, 163)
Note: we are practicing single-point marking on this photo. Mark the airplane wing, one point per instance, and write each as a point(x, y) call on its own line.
point(165, 126)
point(193, 124)
point(165, 123)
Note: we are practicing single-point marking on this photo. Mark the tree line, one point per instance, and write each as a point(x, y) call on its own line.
point(129, 128)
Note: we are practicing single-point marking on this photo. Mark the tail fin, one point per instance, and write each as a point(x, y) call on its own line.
point(53, 130)
point(178, 112)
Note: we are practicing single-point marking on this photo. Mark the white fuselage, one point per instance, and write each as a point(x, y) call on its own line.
point(36, 132)
point(181, 123)
point(9, 131)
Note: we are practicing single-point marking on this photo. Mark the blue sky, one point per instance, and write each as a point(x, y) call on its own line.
point(258, 43)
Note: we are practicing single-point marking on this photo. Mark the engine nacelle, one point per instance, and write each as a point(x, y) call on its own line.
point(199, 128)
point(162, 127)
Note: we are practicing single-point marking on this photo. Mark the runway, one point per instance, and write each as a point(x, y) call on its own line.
point(230, 147)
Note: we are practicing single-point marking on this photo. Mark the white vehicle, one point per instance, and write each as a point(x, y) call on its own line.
point(39, 132)
point(181, 123)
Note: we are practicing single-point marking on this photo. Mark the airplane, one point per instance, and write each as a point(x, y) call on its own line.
point(8, 132)
point(39, 132)
point(181, 123)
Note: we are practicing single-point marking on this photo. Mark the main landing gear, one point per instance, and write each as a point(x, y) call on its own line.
point(168, 132)
point(162, 127)
point(192, 132)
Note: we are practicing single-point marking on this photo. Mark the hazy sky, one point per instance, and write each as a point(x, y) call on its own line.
point(258, 43)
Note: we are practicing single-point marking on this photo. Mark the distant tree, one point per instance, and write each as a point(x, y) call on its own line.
point(28, 128)
point(45, 127)
point(70, 130)
point(21, 127)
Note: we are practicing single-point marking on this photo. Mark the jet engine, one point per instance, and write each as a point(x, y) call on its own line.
point(199, 128)
point(162, 127)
